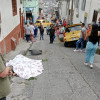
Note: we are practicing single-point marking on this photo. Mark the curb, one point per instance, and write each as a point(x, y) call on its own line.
point(98, 51)
point(25, 52)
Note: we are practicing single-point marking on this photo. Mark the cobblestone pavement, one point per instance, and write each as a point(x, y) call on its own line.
point(64, 77)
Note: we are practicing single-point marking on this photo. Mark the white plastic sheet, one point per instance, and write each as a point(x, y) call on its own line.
point(25, 67)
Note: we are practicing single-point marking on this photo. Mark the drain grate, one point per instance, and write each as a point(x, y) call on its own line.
point(35, 52)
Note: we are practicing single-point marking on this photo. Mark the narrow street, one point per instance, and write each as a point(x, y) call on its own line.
point(64, 77)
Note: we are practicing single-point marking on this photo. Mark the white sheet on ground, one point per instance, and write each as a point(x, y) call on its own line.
point(25, 67)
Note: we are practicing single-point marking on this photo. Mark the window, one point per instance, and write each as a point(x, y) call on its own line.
point(83, 5)
point(77, 3)
point(21, 1)
point(38, 22)
point(73, 28)
point(14, 7)
point(43, 21)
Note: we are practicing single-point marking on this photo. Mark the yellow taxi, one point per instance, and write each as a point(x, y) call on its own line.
point(44, 22)
point(72, 34)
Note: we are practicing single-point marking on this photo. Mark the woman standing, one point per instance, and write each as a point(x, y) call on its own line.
point(41, 31)
point(92, 45)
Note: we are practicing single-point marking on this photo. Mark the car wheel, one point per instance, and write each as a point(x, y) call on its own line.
point(66, 44)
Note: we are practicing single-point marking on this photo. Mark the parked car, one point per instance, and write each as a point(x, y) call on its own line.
point(44, 22)
point(72, 34)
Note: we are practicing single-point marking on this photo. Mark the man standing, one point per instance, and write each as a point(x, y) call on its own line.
point(52, 32)
point(27, 32)
point(81, 39)
point(35, 31)
point(4, 82)
point(32, 32)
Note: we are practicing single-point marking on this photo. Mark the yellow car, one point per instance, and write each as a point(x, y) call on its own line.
point(72, 34)
point(44, 22)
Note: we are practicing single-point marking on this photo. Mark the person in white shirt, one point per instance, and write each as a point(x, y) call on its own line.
point(32, 28)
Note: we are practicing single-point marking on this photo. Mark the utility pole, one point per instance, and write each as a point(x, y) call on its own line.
point(67, 6)
point(71, 12)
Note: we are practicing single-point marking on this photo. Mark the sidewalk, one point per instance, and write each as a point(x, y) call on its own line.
point(21, 48)
point(17, 84)
point(98, 50)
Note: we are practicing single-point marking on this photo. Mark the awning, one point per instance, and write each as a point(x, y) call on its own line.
point(29, 9)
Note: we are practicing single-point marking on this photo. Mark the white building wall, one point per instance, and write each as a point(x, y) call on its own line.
point(63, 9)
point(80, 13)
point(9, 22)
point(91, 5)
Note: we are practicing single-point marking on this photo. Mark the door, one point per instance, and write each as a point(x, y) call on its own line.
point(95, 14)
point(85, 21)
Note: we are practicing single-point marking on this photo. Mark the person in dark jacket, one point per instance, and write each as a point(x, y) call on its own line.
point(52, 32)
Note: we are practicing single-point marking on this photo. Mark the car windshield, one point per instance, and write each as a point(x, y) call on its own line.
point(74, 28)
point(43, 21)
point(37, 21)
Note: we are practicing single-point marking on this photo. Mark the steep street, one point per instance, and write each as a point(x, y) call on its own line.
point(64, 77)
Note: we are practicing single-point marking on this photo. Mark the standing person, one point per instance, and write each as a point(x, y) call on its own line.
point(4, 81)
point(32, 32)
point(59, 31)
point(64, 23)
point(41, 31)
point(27, 32)
point(81, 39)
point(62, 29)
point(52, 32)
point(99, 30)
point(60, 21)
point(92, 45)
point(48, 29)
point(28, 21)
point(35, 31)
point(87, 32)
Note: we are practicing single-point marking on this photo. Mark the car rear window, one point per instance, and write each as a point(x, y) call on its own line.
point(43, 22)
point(37, 21)
point(74, 28)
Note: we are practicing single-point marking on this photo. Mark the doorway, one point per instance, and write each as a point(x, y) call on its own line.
point(95, 14)
point(28, 15)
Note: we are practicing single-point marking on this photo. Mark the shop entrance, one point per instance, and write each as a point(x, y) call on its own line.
point(28, 15)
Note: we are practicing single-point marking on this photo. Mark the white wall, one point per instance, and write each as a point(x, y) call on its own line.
point(9, 22)
point(63, 9)
point(91, 5)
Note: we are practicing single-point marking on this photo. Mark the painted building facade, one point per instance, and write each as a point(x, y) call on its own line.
point(11, 24)
point(86, 11)
point(31, 9)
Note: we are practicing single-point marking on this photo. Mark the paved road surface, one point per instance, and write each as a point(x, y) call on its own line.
point(64, 77)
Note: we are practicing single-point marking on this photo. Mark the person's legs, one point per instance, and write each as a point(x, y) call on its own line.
point(42, 37)
point(27, 38)
point(50, 39)
point(93, 51)
point(47, 32)
point(3, 98)
point(88, 52)
point(82, 43)
point(77, 43)
point(98, 40)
